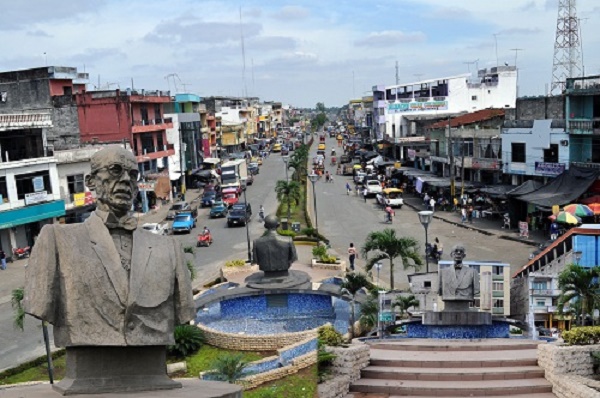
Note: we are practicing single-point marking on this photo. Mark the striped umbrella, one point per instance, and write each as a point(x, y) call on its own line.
point(579, 210)
point(595, 207)
point(567, 218)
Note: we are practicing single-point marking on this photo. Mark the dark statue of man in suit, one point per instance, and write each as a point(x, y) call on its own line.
point(106, 284)
point(273, 253)
point(458, 283)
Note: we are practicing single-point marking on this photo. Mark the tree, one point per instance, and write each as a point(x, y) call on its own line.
point(352, 284)
point(369, 311)
point(288, 191)
point(404, 303)
point(390, 246)
point(579, 284)
point(320, 107)
point(229, 367)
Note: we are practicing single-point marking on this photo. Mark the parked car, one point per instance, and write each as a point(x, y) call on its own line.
point(393, 197)
point(208, 198)
point(219, 209)
point(284, 151)
point(240, 214)
point(178, 208)
point(253, 168)
point(156, 228)
point(183, 222)
point(373, 187)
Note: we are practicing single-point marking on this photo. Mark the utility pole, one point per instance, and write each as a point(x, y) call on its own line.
point(397, 75)
point(496, 40)
point(462, 168)
point(451, 153)
point(181, 161)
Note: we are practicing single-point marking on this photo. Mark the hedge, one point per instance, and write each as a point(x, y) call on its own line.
point(584, 335)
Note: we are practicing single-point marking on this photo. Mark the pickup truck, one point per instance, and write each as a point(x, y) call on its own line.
point(183, 222)
point(373, 187)
point(240, 214)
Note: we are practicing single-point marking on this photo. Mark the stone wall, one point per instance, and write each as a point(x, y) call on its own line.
point(235, 341)
point(345, 369)
point(340, 266)
point(538, 108)
point(566, 367)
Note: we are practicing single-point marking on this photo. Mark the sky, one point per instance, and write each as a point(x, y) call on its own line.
point(299, 53)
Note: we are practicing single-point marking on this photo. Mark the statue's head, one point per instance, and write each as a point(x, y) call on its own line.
point(114, 177)
point(458, 253)
point(271, 222)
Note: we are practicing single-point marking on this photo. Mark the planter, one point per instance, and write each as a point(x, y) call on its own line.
point(226, 272)
point(339, 265)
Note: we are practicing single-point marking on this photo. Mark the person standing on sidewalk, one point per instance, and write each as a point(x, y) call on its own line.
point(352, 255)
point(2, 260)
point(463, 214)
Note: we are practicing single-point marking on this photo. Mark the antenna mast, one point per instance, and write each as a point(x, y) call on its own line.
point(397, 75)
point(243, 55)
point(567, 55)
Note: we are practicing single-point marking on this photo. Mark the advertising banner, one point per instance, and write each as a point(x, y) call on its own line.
point(549, 169)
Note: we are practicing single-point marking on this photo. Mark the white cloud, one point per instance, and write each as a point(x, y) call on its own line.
point(390, 38)
point(291, 13)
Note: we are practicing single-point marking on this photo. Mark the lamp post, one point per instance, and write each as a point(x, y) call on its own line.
point(425, 218)
point(313, 178)
point(378, 266)
point(248, 234)
point(577, 255)
point(286, 160)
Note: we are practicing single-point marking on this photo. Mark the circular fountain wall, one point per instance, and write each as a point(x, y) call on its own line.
point(270, 320)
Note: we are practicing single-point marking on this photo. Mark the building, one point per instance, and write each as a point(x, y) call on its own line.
point(133, 118)
point(582, 114)
point(494, 279)
point(397, 109)
point(534, 288)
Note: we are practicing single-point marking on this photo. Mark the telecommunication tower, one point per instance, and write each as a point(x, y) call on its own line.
point(567, 46)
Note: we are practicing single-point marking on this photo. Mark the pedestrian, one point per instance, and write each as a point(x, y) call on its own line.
point(2, 260)
point(327, 176)
point(352, 255)
point(470, 214)
point(553, 230)
point(426, 199)
point(365, 192)
point(440, 248)
point(432, 204)
point(348, 188)
point(463, 214)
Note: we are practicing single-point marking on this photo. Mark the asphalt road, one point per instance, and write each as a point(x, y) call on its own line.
point(344, 219)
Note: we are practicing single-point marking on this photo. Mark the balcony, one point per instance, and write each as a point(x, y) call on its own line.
point(584, 126)
point(19, 121)
point(144, 126)
point(147, 154)
point(541, 310)
point(545, 292)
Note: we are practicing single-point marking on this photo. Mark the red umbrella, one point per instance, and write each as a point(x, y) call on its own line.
point(591, 199)
point(595, 207)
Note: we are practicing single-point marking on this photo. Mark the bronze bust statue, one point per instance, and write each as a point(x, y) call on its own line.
point(273, 253)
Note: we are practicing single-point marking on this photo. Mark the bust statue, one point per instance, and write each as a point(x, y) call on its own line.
point(458, 283)
point(273, 253)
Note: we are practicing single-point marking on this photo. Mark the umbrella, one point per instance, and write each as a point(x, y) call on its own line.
point(579, 210)
point(591, 199)
point(567, 218)
point(595, 207)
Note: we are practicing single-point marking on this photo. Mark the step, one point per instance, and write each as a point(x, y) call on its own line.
point(455, 345)
point(452, 374)
point(373, 395)
point(452, 388)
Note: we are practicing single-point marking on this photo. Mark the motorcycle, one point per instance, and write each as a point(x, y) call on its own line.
point(21, 252)
point(431, 252)
point(261, 216)
point(204, 239)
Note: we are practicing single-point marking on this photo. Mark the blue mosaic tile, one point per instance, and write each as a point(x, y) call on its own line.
point(496, 330)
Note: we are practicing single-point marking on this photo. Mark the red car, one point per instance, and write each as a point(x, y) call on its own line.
point(230, 196)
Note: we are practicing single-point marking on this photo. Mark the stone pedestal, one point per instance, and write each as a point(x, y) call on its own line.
point(101, 369)
point(278, 280)
point(457, 318)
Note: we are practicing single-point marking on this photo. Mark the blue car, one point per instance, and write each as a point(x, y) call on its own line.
point(183, 222)
point(219, 209)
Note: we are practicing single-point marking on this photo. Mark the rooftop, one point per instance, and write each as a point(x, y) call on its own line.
point(469, 118)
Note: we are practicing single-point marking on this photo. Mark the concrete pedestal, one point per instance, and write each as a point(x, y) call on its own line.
point(278, 280)
point(457, 318)
point(190, 388)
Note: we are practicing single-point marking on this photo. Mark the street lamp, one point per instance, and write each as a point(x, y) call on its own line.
point(577, 255)
point(286, 160)
point(248, 233)
point(425, 218)
point(313, 178)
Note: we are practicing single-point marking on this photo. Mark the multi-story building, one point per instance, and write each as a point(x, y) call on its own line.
point(494, 279)
point(398, 108)
point(582, 114)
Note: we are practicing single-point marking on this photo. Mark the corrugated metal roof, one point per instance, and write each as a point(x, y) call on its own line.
point(469, 118)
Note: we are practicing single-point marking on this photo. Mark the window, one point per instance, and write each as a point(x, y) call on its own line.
point(144, 113)
point(551, 154)
point(518, 152)
point(157, 113)
point(3, 190)
point(540, 285)
point(427, 284)
point(498, 286)
point(540, 303)
point(67, 90)
point(159, 142)
point(498, 303)
point(75, 183)
point(497, 270)
point(473, 98)
point(24, 183)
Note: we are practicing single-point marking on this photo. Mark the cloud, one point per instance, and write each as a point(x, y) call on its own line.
point(38, 33)
point(253, 12)
point(519, 31)
point(529, 6)
point(25, 14)
point(551, 5)
point(389, 38)
point(291, 13)
point(270, 43)
point(450, 13)
point(180, 30)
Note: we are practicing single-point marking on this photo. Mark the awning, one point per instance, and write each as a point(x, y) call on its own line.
point(527, 187)
point(564, 189)
point(497, 190)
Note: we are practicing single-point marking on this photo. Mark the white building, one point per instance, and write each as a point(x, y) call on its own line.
point(397, 107)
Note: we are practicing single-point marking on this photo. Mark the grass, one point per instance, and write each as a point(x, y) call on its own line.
point(300, 385)
point(201, 360)
point(37, 373)
point(297, 212)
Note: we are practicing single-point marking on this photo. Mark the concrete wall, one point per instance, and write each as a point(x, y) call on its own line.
point(104, 116)
point(64, 133)
point(27, 94)
point(538, 108)
point(345, 369)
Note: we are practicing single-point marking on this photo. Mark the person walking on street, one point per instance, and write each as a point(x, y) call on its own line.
point(348, 188)
point(365, 192)
point(439, 248)
point(432, 204)
point(463, 214)
point(352, 255)
point(2, 260)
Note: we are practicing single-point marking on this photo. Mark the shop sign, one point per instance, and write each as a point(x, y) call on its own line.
point(523, 229)
point(83, 199)
point(552, 169)
point(385, 316)
point(439, 159)
point(402, 140)
point(38, 184)
point(36, 197)
point(148, 185)
point(417, 106)
point(490, 164)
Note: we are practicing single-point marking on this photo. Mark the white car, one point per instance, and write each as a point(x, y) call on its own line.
point(373, 187)
point(156, 228)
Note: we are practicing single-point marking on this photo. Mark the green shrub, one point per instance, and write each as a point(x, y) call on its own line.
point(188, 249)
point(516, 331)
point(319, 251)
point(229, 367)
point(235, 263)
point(327, 335)
point(324, 361)
point(190, 266)
point(584, 335)
point(308, 231)
point(188, 339)
point(286, 232)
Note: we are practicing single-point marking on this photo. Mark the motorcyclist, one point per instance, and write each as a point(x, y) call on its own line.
point(206, 231)
point(261, 212)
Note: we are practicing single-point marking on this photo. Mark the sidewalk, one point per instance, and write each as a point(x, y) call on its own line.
point(487, 226)
point(14, 275)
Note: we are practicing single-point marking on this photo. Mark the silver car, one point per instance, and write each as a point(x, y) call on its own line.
point(178, 208)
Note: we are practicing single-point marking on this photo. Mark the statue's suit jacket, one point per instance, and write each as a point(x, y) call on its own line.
point(75, 281)
point(460, 286)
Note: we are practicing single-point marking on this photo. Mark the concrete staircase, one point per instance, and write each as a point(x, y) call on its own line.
point(452, 368)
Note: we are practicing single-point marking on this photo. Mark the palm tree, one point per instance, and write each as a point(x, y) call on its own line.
point(369, 311)
point(288, 191)
point(389, 245)
point(351, 285)
point(229, 367)
point(299, 165)
point(580, 284)
point(404, 303)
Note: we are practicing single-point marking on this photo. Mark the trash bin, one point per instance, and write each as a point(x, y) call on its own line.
point(296, 227)
point(284, 224)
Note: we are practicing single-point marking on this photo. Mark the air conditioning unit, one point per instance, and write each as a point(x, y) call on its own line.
point(564, 142)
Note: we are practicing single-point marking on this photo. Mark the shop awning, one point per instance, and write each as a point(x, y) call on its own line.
point(499, 191)
point(526, 187)
point(564, 189)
